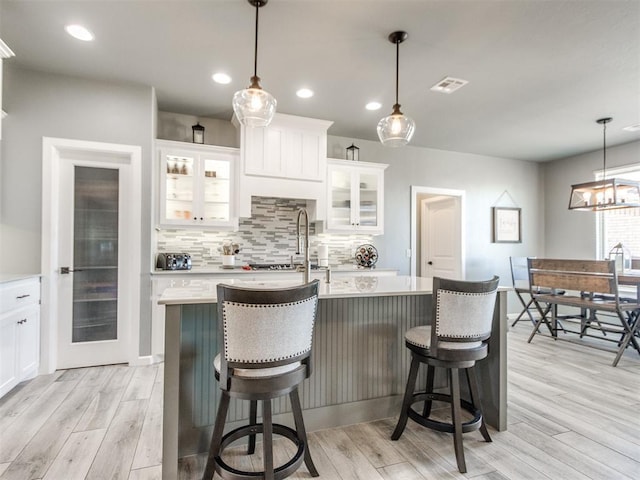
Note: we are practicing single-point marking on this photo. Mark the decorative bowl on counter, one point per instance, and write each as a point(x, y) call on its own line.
point(366, 255)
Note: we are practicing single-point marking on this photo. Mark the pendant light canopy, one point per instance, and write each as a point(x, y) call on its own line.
point(253, 106)
point(397, 129)
point(608, 193)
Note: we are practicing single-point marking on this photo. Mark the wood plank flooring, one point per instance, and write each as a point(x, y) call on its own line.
point(571, 416)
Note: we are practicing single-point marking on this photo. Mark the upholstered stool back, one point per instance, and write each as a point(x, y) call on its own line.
point(265, 330)
point(461, 321)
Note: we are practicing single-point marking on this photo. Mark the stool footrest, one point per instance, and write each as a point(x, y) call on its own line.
point(469, 426)
point(227, 472)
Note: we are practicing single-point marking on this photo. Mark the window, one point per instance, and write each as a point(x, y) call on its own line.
point(622, 225)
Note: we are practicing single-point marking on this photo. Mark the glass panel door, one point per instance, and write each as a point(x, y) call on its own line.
point(95, 254)
point(340, 209)
point(179, 187)
point(217, 193)
point(368, 207)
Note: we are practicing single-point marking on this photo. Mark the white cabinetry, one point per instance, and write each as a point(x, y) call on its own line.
point(197, 185)
point(286, 159)
point(355, 196)
point(19, 331)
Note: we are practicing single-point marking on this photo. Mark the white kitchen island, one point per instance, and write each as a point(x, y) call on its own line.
point(360, 363)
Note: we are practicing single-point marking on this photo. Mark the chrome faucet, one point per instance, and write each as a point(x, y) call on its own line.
point(306, 268)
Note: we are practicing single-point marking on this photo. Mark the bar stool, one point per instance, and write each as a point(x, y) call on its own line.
point(462, 313)
point(266, 338)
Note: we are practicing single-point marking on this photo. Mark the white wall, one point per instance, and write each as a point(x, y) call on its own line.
point(484, 179)
point(44, 104)
point(572, 234)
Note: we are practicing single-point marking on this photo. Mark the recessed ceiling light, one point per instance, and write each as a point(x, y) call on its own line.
point(304, 93)
point(373, 106)
point(632, 128)
point(449, 85)
point(79, 32)
point(221, 78)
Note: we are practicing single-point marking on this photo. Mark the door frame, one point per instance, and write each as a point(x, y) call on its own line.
point(416, 193)
point(53, 151)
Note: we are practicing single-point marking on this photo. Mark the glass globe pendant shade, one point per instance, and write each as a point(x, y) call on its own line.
point(397, 129)
point(253, 106)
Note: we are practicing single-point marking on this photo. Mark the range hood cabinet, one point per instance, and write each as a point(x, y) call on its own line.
point(286, 159)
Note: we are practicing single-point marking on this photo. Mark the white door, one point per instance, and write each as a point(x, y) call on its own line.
point(93, 288)
point(441, 249)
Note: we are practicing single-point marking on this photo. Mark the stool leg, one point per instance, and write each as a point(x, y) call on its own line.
point(427, 404)
point(456, 415)
point(474, 391)
point(408, 397)
point(216, 437)
point(267, 439)
point(302, 433)
point(253, 413)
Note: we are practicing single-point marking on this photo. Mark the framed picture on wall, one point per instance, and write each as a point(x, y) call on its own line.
point(507, 225)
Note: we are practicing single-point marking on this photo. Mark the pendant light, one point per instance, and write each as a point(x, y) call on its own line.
point(253, 106)
point(608, 193)
point(397, 129)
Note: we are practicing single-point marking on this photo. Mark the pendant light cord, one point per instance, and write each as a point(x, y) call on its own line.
point(604, 151)
point(397, 68)
point(255, 51)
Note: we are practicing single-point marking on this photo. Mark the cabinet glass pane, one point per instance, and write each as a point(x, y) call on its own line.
point(340, 213)
point(368, 200)
point(217, 194)
point(179, 187)
point(95, 254)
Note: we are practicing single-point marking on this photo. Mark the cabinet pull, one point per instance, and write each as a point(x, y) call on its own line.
point(23, 296)
point(20, 322)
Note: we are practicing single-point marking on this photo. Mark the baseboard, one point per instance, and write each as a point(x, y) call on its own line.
point(147, 360)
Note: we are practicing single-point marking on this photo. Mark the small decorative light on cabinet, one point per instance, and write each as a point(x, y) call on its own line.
point(198, 133)
point(353, 153)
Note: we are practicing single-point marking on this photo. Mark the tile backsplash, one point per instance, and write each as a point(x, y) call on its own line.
point(269, 236)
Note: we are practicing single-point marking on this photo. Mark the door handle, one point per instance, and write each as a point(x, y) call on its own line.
point(68, 270)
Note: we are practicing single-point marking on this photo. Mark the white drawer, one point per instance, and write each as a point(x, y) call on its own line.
point(19, 293)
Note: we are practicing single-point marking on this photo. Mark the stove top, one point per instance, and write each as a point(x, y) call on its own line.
point(272, 266)
point(277, 266)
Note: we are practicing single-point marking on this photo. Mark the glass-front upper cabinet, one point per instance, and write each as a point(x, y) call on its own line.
point(356, 196)
point(197, 185)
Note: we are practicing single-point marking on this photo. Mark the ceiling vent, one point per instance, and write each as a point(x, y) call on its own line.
point(449, 85)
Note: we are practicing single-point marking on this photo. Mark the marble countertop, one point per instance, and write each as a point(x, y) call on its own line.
point(203, 290)
point(238, 270)
point(13, 277)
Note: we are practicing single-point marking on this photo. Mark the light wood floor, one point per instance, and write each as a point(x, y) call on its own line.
point(571, 416)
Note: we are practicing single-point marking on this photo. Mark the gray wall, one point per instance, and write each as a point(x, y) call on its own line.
point(47, 105)
point(484, 180)
point(572, 234)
